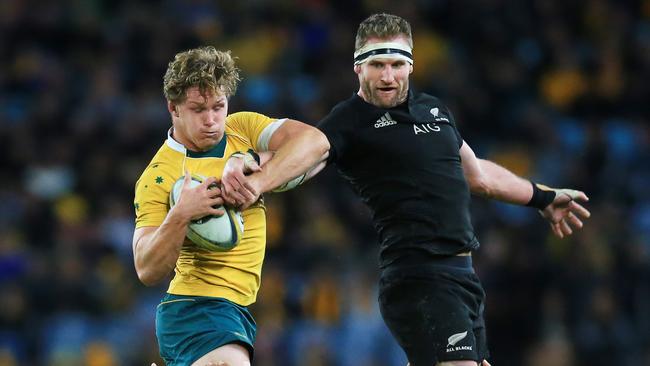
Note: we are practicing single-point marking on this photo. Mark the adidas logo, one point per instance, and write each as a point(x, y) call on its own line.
point(385, 120)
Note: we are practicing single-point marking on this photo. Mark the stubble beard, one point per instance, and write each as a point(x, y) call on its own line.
point(375, 99)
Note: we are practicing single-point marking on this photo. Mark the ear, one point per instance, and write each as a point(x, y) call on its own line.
point(357, 69)
point(410, 68)
point(171, 107)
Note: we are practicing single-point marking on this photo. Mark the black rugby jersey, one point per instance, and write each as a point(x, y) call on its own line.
point(405, 164)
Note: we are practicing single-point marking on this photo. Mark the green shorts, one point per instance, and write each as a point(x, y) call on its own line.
point(188, 327)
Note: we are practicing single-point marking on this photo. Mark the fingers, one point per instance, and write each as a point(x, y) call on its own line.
point(581, 196)
point(226, 190)
point(250, 189)
point(241, 192)
point(210, 186)
point(215, 201)
point(231, 191)
point(217, 211)
point(566, 225)
point(566, 229)
point(577, 208)
point(214, 191)
point(236, 198)
point(207, 182)
point(231, 195)
point(229, 201)
point(187, 179)
point(571, 220)
point(232, 184)
point(248, 192)
point(574, 220)
point(555, 227)
point(203, 200)
point(233, 175)
point(568, 195)
point(575, 195)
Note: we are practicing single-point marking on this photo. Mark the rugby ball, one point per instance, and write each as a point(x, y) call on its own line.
point(214, 233)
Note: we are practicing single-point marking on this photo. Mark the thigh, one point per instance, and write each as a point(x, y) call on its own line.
point(190, 327)
point(228, 355)
point(435, 317)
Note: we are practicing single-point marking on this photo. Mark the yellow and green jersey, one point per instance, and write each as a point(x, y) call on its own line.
point(235, 274)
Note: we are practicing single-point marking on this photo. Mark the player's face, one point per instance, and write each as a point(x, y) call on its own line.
point(384, 81)
point(199, 122)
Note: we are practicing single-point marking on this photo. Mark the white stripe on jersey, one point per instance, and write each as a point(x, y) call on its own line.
point(267, 133)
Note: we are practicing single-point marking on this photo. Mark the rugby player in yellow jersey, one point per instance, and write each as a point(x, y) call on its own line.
point(203, 318)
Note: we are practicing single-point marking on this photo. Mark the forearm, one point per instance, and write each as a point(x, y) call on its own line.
point(265, 156)
point(501, 184)
point(295, 157)
point(156, 253)
point(317, 168)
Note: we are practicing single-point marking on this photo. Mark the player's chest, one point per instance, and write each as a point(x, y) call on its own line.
point(390, 138)
point(212, 163)
point(207, 167)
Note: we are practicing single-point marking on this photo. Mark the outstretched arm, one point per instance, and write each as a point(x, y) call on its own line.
point(298, 149)
point(490, 180)
point(558, 206)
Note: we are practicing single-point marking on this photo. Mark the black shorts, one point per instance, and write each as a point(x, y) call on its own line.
point(435, 311)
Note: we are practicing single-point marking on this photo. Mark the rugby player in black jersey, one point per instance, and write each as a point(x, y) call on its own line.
point(403, 155)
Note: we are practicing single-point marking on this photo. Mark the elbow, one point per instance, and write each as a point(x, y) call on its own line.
point(147, 277)
point(480, 187)
point(320, 142)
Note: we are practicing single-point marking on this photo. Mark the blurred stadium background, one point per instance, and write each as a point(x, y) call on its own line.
point(558, 90)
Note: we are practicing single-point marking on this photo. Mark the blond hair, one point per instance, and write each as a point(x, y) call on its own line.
point(211, 70)
point(382, 26)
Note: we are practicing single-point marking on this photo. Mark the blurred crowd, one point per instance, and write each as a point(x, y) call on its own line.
point(555, 90)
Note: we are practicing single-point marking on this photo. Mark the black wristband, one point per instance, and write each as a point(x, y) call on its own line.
point(541, 198)
point(255, 155)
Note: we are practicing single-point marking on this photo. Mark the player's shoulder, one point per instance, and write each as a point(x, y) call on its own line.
point(166, 165)
point(429, 99)
point(244, 122)
point(426, 105)
point(343, 111)
point(244, 117)
point(346, 106)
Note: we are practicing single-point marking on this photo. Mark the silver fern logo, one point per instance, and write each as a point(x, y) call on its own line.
point(435, 112)
point(455, 338)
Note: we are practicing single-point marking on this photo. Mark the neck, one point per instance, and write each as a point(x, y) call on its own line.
point(188, 143)
point(361, 94)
